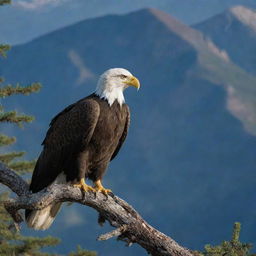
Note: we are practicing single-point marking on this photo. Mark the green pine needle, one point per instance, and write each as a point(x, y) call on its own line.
point(9, 90)
point(236, 233)
point(7, 158)
point(4, 47)
point(3, 2)
point(82, 252)
point(6, 140)
point(230, 248)
point(22, 167)
point(14, 117)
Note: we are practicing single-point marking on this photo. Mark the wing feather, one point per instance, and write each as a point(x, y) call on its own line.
point(124, 134)
point(69, 133)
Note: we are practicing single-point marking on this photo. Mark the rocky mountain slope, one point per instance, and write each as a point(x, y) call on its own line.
point(234, 31)
point(28, 19)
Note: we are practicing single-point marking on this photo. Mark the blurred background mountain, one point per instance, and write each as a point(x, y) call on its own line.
point(193, 126)
point(48, 15)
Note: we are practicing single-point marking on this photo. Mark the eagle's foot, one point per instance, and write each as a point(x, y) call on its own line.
point(83, 186)
point(99, 188)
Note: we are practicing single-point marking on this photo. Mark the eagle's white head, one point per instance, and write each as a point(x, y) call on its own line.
point(112, 83)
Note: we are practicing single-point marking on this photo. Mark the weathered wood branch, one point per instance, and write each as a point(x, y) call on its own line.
point(130, 226)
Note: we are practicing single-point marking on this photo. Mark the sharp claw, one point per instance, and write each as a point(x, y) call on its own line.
point(99, 188)
point(104, 191)
point(89, 188)
point(83, 186)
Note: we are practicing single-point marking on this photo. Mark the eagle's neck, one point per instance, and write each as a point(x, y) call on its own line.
point(111, 94)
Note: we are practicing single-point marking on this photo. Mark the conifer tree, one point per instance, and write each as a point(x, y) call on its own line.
point(81, 252)
point(229, 248)
point(11, 241)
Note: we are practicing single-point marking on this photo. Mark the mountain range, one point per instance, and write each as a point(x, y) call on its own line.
point(28, 19)
point(238, 24)
point(188, 165)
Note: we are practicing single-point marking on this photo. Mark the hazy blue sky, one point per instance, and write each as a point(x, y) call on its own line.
point(27, 19)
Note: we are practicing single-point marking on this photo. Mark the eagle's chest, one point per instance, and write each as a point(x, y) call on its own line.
point(108, 131)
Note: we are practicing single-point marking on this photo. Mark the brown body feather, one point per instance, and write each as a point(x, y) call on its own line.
point(80, 143)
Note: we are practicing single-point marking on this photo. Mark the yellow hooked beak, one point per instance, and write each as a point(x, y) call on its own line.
point(133, 81)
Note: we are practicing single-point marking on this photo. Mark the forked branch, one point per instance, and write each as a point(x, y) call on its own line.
point(130, 226)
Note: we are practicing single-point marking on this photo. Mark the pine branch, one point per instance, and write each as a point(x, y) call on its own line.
point(232, 248)
point(236, 233)
point(4, 48)
point(7, 158)
point(9, 90)
point(14, 117)
point(81, 252)
point(3, 2)
point(110, 207)
point(32, 244)
point(27, 245)
point(6, 140)
point(22, 167)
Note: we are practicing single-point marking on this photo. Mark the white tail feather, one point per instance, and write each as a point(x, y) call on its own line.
point(42, 219)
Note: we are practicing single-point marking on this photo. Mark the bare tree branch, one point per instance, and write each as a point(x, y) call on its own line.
point(116, 232)
point(130, 226)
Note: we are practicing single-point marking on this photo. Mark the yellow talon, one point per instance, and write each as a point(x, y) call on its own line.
point(99, 188)
point(83, 186)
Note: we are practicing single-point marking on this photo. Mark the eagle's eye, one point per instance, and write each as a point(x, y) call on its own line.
point(123, 76)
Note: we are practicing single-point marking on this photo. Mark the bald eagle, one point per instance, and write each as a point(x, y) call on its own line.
point(81, 141)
